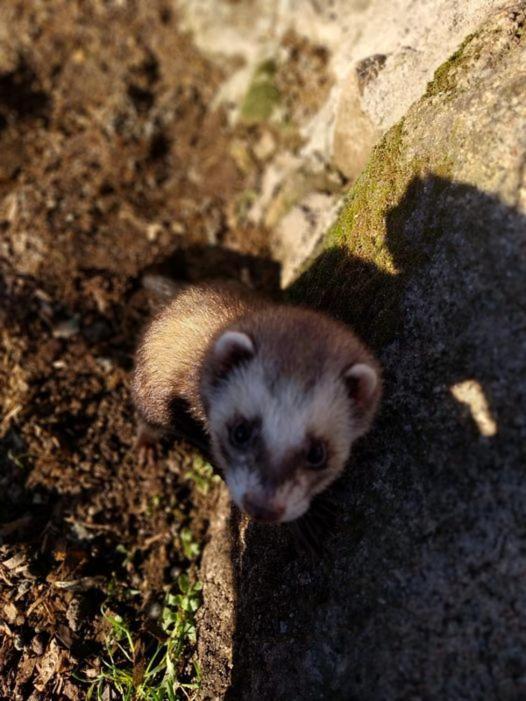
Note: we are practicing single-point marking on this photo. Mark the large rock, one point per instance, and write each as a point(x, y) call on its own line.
point(385, 68)
point(420, 594)
point(381, 55)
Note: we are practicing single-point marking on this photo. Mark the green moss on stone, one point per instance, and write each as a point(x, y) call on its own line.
point(444, 79)
point(262, 96)
point(361, 226)
point(359, 274)
point(387, 221)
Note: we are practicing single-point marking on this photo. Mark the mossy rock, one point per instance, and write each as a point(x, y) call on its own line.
point(359, 271)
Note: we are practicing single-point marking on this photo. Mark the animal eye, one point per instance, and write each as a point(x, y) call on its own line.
point(240, 433)
point(317, 454)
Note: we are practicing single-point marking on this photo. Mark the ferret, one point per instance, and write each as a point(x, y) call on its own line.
point(278, 393)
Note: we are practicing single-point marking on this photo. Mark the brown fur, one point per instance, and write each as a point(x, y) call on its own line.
point(172, 349)
point(301, 343)
point(175, 361)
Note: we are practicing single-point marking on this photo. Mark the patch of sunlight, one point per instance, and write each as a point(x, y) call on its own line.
point(471, 394)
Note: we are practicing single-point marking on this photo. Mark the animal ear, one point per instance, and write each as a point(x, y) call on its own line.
point(230, 349)
point(233, 343)
point(362, 381)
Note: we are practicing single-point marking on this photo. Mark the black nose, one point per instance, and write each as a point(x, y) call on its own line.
point(260, 512)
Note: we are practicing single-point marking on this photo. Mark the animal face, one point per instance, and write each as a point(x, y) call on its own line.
point(280, 440)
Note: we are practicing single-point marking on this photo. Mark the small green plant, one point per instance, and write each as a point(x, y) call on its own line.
point(124, 669)
point(202, 474)
point(153, 504)
point(178, 616)
point(191, 547)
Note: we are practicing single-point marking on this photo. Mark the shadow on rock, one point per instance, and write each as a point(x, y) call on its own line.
point(420, 591)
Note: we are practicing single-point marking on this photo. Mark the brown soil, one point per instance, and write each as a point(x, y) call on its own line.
point(111, 161)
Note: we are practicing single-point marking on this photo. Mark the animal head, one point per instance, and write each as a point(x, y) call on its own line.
point(285, 399)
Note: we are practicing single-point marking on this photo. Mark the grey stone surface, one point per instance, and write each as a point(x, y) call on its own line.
point(419, 593)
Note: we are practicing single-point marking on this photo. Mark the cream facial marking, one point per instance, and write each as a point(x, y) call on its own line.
point(289, 417)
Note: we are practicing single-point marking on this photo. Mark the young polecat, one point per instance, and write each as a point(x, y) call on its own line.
point(279, 392)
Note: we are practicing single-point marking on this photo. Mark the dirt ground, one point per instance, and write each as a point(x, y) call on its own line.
point(111, 160)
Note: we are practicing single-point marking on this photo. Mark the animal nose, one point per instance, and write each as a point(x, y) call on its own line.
point(262, 512)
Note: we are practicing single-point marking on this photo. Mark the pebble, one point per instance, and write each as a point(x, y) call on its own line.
point(68, 328)
point(37, 645)
point(155, 610)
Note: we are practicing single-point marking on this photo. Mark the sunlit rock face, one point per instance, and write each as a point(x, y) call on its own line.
point(380, 57)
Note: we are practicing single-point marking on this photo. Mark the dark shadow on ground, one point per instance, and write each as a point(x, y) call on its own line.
point(197, 263)
point(415, 593)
